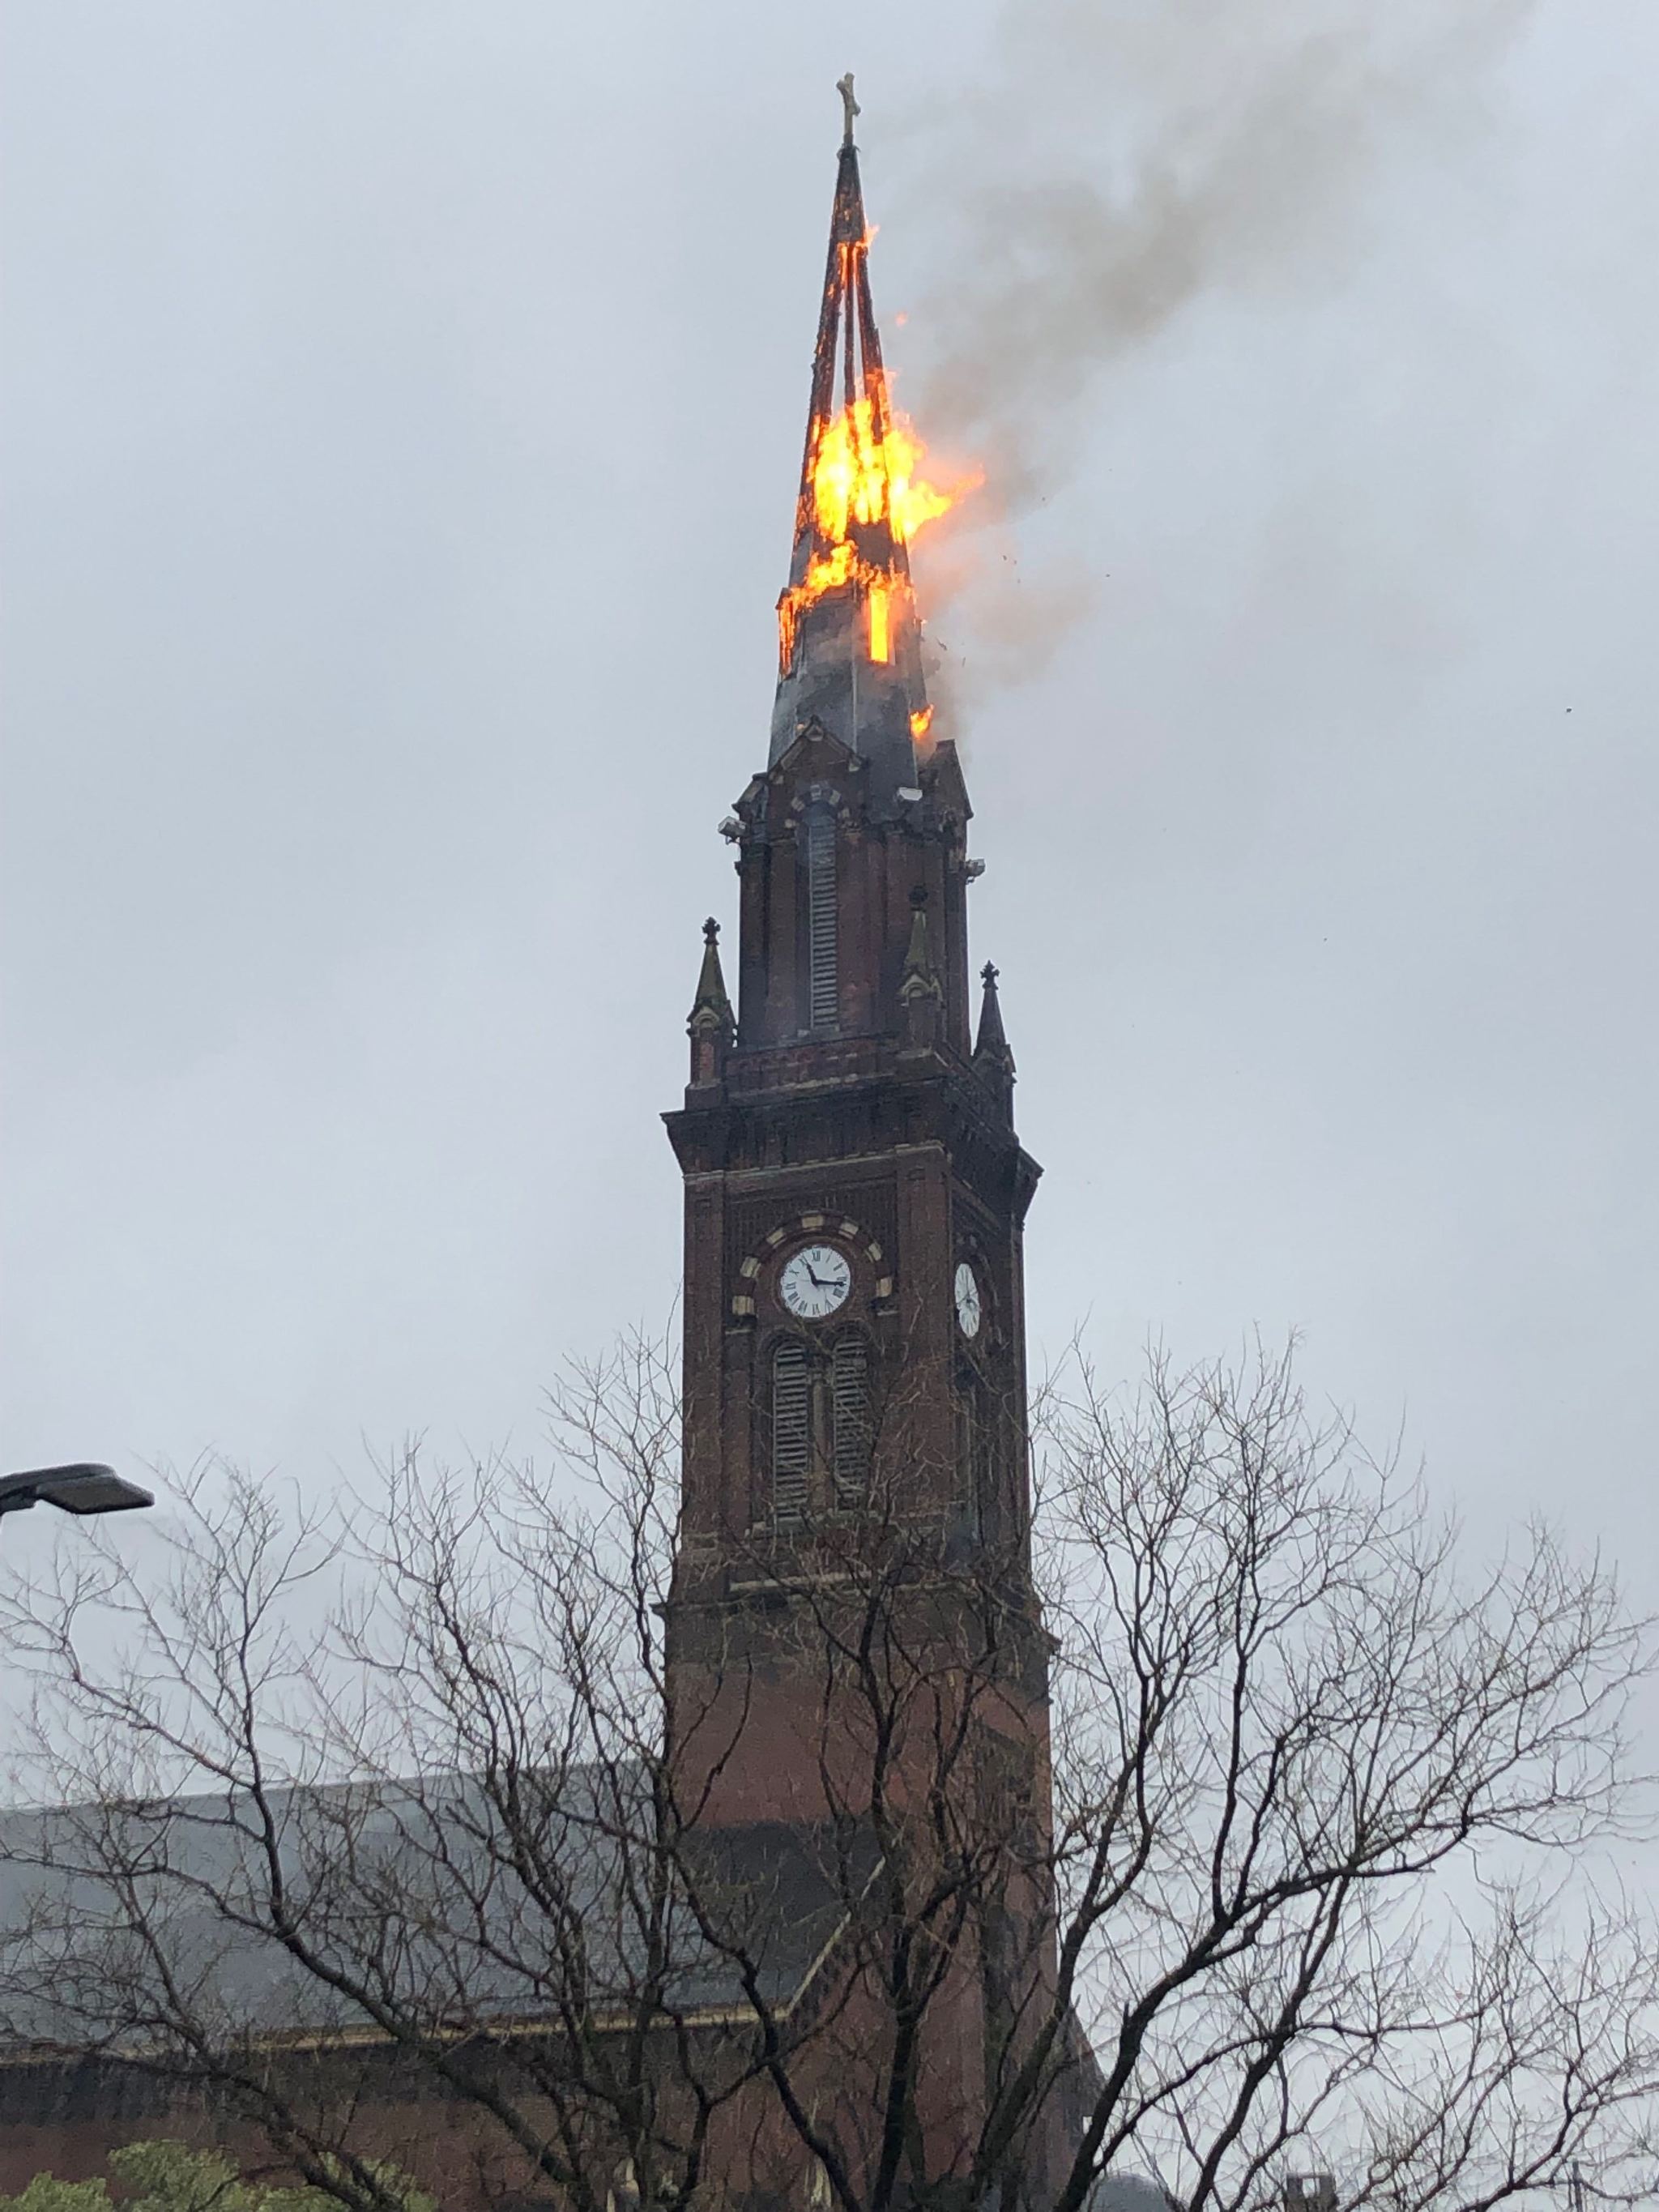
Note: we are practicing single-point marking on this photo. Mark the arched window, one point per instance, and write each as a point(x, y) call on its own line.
point(791, 1432)
point(823, 997)
point(849, 1396)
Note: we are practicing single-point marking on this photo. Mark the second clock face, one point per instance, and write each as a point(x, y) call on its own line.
point(969, 1310)
point(816, 1282)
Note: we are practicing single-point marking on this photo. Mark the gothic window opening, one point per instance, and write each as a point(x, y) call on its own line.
point(980, 1444)
point(823, 997)
point(849, 1395)
point(791, 1406)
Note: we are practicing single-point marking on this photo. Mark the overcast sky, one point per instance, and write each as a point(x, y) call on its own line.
point(404, 401)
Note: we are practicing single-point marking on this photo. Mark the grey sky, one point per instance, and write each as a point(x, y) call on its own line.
point(403, 408)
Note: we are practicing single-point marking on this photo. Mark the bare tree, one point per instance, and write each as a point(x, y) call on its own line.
point(410, 1804)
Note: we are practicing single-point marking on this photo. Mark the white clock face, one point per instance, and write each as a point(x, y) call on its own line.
point(969, 1311)
point(816, 1282)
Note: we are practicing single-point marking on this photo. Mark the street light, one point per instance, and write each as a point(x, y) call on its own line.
point(83, 1488)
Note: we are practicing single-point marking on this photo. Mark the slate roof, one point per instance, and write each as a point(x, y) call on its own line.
point(421, 1895)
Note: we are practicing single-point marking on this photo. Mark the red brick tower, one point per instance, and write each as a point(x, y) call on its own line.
point(854, 1190)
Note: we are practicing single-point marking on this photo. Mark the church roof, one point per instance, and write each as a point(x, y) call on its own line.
point(406, 1896)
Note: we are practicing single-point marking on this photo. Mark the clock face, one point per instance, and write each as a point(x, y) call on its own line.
point(969, 1311)
point(816, 1282)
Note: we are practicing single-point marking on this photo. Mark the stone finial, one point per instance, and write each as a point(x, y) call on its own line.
point(992, 1042)
point(711, 1025)
point(993, 1060)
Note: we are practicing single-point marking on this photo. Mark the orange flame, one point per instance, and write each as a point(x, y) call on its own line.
point(865, 501)
point(881, 645)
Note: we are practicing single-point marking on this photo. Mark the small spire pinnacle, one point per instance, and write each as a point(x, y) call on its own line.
point(711, 1024)
point(993, 1060)
point(711, 983)
point(919, 993)
point(916, 963)
point(844, 87)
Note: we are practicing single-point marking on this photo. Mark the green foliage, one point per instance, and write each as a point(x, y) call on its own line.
point(47, 2193)
point(171, 2176)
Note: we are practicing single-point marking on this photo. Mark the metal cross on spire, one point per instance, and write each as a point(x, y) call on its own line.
point(844, 87)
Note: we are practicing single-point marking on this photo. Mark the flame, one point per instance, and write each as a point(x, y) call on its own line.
point(921, 722)
point(865, 499)
point(881, 645)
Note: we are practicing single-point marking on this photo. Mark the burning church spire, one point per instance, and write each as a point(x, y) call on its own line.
point(850, 642)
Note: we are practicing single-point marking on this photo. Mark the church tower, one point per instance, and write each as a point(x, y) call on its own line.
point(854, 1190)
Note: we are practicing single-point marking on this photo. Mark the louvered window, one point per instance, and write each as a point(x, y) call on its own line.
point(849, 1372)
point(823, 995)
point(791, 1433)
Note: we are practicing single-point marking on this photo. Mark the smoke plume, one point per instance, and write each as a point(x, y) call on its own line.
point(1126, 157)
